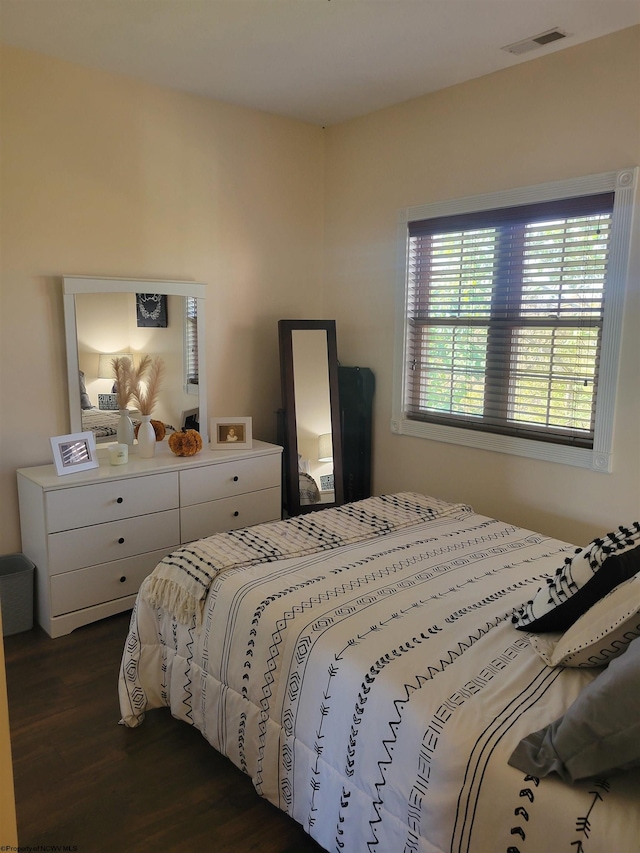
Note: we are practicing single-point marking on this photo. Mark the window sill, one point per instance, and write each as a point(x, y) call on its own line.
point(543, 450)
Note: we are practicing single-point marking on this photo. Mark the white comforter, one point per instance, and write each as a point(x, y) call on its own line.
point(375, 692)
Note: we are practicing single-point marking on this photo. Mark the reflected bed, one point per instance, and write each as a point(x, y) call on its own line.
point(104, 424)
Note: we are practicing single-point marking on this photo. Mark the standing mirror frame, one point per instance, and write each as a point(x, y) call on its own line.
point(291, 334)
point(75, 285)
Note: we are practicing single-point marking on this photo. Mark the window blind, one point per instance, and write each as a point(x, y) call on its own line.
point(191, 340)
point(504, 318)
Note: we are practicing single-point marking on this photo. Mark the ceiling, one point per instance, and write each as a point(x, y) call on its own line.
point(320, 61)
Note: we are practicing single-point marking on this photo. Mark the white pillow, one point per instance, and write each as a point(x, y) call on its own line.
point(600, 634)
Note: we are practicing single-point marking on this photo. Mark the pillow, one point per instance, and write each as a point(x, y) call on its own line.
point(309, 493)
point(599, 733)
point(85, 402)
point(600, 634)
point(585, 578)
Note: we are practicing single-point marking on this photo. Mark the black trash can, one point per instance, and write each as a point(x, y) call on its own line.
point(16, 593)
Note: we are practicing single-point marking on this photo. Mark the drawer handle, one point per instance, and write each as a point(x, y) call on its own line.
point(236, 514)
point(121, 540)
point(123, 579)
point(235, 479)
point(119, 500)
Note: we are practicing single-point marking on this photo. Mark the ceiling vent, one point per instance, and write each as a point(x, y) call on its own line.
point(535, 42)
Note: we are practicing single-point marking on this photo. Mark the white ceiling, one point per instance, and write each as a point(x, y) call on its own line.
point(321, 61)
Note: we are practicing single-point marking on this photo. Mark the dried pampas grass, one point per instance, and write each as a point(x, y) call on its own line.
point(122, 368)
point(132, 383)
point(145, 390)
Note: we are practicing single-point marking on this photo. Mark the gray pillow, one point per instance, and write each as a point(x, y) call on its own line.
point(85, 402)
point(599, 733)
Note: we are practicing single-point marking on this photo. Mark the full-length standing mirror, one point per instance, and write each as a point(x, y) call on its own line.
point(311, 415)
point(105, 317)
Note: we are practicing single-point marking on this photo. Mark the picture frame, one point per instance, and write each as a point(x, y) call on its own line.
point(151, 310)
point(74, 452)
point(190, 419)
point(108, 402)
point(230, 433)
point(327, 483)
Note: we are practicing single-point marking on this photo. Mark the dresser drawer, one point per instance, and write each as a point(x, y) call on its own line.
point(204, 519)
point(211, 482)
point(94, 535)
point(101, 502)
point(85, 587)
point(102, 543)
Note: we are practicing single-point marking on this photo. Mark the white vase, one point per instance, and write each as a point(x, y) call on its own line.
point(146, 438)
point(125, 428)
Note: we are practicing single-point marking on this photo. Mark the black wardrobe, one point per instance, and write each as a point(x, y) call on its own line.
point(356, 387)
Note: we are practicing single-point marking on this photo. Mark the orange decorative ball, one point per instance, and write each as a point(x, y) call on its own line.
point(158, 427)
point(187, 442)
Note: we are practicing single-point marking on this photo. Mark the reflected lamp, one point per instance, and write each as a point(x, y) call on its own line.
point(105, 363)
point(325, 447)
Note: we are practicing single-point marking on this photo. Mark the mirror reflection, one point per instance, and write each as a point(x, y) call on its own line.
point(313, 416)
point(313, 454)
point(106, 318)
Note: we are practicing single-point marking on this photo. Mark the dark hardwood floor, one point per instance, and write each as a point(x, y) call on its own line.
point(84, 781)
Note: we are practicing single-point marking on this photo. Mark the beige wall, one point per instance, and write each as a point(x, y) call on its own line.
point(107, 176)
point(568, 114)
point(102, 175)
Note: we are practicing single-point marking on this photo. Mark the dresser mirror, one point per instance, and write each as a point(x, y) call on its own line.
point(310, 415)
point(108, 317)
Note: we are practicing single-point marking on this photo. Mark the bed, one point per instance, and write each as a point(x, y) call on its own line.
point(309, 491)
point(362, 665)
point(103, 424)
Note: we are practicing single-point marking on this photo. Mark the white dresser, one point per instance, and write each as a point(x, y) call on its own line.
point(95, 535)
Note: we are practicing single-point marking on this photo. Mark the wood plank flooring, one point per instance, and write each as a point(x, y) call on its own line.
point(84, 781)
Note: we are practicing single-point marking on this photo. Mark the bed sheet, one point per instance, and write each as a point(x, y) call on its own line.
point(100, 423)
point(375, 692)
point(103, 423)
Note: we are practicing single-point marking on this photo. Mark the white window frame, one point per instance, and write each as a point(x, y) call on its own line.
point(624, 184)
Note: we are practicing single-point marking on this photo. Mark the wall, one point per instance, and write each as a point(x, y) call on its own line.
point(568, 114)
point(103, 175)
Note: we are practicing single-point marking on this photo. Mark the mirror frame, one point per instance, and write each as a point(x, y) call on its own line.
point(73, 285)
point(291, 497)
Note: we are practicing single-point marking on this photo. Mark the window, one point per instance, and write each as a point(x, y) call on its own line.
point(191, 345)
point(511, 313)
point(504, 318)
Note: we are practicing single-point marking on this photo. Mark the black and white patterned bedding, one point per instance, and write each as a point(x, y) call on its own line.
point(376, 690)
point(101, 423)
point(104, 424)
point(308, 489)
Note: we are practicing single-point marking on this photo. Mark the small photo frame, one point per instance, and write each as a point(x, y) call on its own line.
point(190, 419)
point(75, 452)
point(230, 433)
point(326, 482)
point(108, 402)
